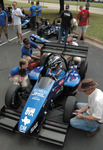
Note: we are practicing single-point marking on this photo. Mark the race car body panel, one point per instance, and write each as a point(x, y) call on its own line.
point(35, 102)
point(73, 78)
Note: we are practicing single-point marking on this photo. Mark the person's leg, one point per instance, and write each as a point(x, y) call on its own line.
point(14, 81)
point(20, 31)
point(0, 33)
point(16, 31)
point(25, 82)
point(5, 29)
point(67, 30)
point(60, 35)
point(84, 33)
point(79, 33)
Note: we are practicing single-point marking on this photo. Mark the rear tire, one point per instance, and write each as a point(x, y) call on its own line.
point(69, 108)
point(83, 69)
point(12, 99)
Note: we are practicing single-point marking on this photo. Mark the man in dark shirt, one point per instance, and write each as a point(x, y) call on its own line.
point(66, 19)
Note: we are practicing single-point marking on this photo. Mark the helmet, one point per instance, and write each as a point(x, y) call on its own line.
point(54, 62)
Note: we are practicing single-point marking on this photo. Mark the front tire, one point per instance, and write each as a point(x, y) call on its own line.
point(83, 69)
point(12, 99)
point(69, 108)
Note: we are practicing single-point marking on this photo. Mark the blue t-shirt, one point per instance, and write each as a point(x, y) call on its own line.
point(54, 72)
point(3, 16)
point(16, 71)
point(28, 51)
point(33, 10)
point(39, 12)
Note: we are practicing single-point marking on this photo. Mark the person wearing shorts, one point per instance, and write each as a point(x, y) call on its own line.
point(83, 17)
point(3, 23)
point(16, 21)
point(38, 13)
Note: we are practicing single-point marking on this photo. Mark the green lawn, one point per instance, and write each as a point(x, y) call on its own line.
point(95, 29)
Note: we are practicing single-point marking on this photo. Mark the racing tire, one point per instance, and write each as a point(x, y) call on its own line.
point(39, 31)
point(83, 69)
point(69, 108)
point(43, 60)
point(12, 99)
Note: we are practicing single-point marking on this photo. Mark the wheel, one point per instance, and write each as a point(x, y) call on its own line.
point(45, 34)
point(57, 34)
point(83, 69)
point(12, 99)
point(39, 31)
point(69, 108)
point(43, 60)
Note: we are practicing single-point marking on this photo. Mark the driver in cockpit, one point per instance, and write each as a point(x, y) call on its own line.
point(54, 69)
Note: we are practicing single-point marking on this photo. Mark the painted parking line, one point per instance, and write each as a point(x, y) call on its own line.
point(14, 38)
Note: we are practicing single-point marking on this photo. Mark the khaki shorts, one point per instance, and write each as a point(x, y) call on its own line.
point(38, 19)
point(81, 29)
point(17, 29)
point(4, 28)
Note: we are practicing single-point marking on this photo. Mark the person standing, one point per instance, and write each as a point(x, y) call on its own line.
point(83, 17)
point(38, 13)
point(89, 116)
point(33, 16)
point(66, 19)
point(16, 21)
point(3, 23)
point(87, 5)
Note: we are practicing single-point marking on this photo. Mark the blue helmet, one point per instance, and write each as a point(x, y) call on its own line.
point(54, 62)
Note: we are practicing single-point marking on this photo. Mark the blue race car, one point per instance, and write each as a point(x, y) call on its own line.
point(30, 111)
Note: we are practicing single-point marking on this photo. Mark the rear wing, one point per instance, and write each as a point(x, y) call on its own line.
point(61, 49)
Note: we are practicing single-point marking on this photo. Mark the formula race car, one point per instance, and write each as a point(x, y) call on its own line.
point(48, 29)
point(45, 107)
point(25, 20)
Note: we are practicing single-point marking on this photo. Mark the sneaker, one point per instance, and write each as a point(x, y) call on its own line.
point(18, 41)
point(89, 134)
point(21, 43)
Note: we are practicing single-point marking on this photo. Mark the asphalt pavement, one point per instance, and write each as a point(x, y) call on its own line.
point(75, 139)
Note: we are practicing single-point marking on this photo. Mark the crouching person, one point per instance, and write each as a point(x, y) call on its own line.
point(18, 75)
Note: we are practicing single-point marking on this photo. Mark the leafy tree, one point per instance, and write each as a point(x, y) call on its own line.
point(2, 3)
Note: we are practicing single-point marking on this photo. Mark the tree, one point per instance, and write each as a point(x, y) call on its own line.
point(61, 5)
point(2, 3)
point(28, 1)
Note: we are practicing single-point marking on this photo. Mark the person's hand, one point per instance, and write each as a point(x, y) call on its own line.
point(12, 24)
point(79, 116)
point(20, 79)
point(7, 25)
point(77, 111)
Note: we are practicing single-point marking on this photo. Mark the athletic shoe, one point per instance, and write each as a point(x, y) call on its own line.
point(89, 134)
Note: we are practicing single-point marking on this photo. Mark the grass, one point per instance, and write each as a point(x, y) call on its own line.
point(95, 29)
point(20, 4)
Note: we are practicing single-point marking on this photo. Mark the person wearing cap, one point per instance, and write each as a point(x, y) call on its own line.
point(27, 50)
point(89, 116)
point(66, 19)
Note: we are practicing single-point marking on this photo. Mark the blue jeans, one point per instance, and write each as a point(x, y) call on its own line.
point(84, 124)
point(66, 34)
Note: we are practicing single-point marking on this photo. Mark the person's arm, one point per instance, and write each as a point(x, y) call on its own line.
point(85, 108)
point(20, 14)
point(35, 57)
point(88, 117)
point(88, 19)
point(71, 22)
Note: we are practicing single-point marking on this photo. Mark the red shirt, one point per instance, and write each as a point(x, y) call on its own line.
point(82, 17)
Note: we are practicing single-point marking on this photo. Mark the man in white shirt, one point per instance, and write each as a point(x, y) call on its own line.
point(16, 21)
point(89, 116)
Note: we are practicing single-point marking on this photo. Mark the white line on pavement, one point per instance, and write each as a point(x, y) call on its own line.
point(14, 38)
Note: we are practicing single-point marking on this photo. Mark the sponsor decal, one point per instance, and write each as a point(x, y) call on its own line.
point(73, 78)
point(30, 111)
point(22, 128)
point(39, 92)
point(35, 72)
point(36, 98)
point(56, 89)
point(26, 121)
point(61, 82)
point(34, 127)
